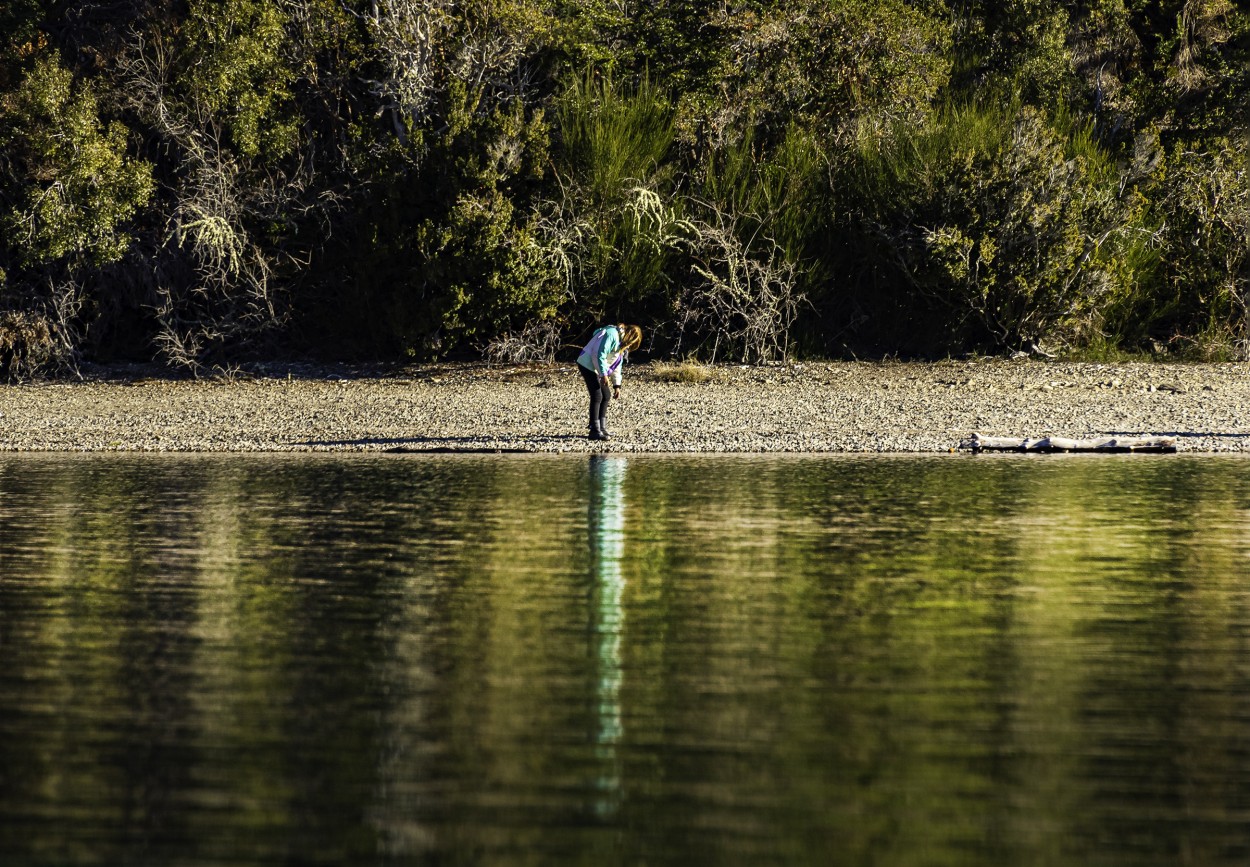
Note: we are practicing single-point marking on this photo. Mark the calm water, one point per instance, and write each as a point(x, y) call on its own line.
point(540, 660)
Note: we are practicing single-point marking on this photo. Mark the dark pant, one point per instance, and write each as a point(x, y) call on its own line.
point(600, 397)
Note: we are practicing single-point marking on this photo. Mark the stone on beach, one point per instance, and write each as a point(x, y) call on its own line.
point(812, 407)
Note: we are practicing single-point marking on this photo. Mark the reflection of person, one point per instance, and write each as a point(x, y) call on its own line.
point(607, 578)
point(600, 364)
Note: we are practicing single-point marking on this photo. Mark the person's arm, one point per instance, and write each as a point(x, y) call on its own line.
point(607, 348)
point(614, 374)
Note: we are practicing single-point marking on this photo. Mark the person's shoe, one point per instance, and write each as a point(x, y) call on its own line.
point(597, 433)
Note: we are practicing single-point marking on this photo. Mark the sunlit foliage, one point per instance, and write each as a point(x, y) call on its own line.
point(204, 181)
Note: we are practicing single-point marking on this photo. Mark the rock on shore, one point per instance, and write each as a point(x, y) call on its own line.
point(808, 407)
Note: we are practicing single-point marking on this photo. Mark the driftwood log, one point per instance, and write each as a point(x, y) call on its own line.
point(980, 443)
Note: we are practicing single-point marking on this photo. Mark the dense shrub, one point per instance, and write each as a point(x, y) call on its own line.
point(201, 181)
point(67, 184)
point(996, 221)
point(28, 345)
point(1206, 240)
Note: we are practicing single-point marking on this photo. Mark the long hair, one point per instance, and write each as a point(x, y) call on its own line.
point(631, 337)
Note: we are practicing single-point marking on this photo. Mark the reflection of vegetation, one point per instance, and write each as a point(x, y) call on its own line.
point(947, 660)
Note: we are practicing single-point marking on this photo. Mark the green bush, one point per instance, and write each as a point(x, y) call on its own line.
point(1205, 210)
point(208, 179)
point(67, 181)
point(236, 73)
point(830, 66)
point(996, 222)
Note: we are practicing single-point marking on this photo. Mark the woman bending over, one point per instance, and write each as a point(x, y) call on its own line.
point(600, 365)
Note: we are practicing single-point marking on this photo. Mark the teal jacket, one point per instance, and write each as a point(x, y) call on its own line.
point(602, 354)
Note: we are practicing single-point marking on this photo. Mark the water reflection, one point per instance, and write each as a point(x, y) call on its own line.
point(667, 660)
point(607, 551)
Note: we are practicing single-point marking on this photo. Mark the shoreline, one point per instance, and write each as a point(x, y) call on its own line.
point(805, 407)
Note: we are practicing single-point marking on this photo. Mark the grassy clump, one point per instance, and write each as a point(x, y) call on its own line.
point(28, 345)
point(682, 371)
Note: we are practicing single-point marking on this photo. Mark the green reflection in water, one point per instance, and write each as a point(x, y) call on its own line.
point(671, 660)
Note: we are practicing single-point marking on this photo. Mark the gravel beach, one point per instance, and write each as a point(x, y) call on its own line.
point(809, 407)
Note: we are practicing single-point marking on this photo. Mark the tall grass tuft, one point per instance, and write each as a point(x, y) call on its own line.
point(616, 140)
point(616, 136)
point(781, 192)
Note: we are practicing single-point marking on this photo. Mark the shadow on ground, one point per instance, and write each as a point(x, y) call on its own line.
point(445, 444)
point(1177, 433)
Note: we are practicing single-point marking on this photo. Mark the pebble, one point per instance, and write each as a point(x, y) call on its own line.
point(825, 407)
